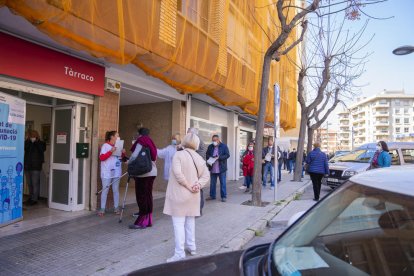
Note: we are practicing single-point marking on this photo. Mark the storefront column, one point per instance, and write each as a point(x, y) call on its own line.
point(106, 117)
point(233, 161)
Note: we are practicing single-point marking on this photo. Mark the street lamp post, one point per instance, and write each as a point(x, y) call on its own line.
point(403, 50)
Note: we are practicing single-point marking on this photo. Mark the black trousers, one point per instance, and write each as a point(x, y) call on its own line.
point(316, 182)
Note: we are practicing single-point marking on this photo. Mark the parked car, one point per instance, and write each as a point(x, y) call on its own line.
point(341, 152)
point(341, 168)
point(365, 227)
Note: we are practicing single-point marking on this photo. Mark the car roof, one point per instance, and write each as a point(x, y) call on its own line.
point(391, 145)
point(398, 179)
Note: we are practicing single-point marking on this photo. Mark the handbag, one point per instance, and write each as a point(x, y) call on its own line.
point(198, 175)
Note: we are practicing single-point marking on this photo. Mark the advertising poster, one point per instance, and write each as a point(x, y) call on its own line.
point(12, 131)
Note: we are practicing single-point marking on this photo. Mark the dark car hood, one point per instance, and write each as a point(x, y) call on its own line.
point(222, 264)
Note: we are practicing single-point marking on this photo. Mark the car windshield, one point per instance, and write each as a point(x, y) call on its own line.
point(359, 156)
point(357, 230)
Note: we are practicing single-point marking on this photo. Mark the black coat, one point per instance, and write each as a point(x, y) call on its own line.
point(34, 155)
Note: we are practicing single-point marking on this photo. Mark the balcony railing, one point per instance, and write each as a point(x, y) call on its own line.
point(382, 123)
point(379, 105)
point(382, 132)
point(382, 114)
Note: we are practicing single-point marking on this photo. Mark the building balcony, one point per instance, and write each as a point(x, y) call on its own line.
point(381, 105)
point(382, 123)
point(381, 114)
point(382, 132)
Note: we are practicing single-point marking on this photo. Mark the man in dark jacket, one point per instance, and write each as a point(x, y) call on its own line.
point(220, 152)
point(268, 156)
point(34, 157)
point(279, 164)
point(202, 151)
point(292, 160)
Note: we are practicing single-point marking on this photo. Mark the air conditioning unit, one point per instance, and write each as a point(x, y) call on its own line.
point(112, 85)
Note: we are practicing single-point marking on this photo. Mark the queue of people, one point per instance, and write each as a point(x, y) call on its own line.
point(188, 167)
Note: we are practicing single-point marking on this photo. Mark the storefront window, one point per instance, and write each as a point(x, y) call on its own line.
point(207, 130)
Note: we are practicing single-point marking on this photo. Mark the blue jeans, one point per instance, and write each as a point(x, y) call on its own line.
point(268, 167)
point(248, 181)
point(213, 183)
point(292, 165)
point(279, 171)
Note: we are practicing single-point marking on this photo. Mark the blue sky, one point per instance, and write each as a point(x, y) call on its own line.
point(384, 69)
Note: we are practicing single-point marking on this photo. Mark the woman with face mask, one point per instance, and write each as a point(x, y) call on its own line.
point(248, 166)
point(382, 158)
point(111, 170)
point(34, 157)
point(167, 153)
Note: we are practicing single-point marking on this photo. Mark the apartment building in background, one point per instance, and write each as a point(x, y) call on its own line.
point(328, 138)
point(388, 116)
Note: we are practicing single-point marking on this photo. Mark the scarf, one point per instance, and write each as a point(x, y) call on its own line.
point(146, 141)
point(375, 159)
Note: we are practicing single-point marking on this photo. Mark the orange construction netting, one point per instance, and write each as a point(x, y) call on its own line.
point(214, 47)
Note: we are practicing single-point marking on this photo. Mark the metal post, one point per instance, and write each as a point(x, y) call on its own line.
point(276, 128)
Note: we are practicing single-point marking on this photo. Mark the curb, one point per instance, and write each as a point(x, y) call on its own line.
point(238, 241)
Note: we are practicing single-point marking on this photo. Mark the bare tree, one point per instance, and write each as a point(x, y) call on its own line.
point(352, 8)
point(335, 63)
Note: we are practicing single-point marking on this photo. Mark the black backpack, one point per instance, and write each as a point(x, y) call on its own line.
point(142, 164)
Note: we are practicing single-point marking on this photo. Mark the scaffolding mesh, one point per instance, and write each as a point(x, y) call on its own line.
point(214, 47)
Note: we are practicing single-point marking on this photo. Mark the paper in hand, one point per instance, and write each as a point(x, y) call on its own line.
point(119, 145)
point(211, 160)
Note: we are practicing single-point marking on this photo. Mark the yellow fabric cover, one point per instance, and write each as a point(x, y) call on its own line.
point(214, 47)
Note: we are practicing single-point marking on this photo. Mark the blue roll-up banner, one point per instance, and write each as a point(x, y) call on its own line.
point(12, 131)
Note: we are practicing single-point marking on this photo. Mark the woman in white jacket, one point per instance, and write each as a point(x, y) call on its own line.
point(189, 174)
point(167, 153)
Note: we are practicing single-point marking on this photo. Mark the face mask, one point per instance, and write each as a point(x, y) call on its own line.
point(215, 144)
point(33, 139)
point(250, 148)
point(378, 147)
point(173, 142)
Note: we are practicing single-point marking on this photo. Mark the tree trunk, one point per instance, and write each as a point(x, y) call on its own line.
point(261, 117)
point(310, 140)
point(301, 145)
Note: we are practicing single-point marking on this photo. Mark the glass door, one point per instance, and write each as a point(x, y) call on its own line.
point(62, 178)
point(80, 163)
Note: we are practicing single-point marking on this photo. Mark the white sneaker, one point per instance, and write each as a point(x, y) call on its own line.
point(242, 187)
point(191, 252)
point(175, 258)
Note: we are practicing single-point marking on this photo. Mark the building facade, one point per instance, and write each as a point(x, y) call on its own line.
point(168, 66)
point(388, 116)
point(328, 138)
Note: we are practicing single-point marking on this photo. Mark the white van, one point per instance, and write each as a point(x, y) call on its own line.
point(341, 168)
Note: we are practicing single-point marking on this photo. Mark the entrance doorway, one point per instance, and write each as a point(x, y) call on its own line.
point(62, 125)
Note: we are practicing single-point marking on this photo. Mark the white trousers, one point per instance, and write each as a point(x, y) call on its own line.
point(115, 190)
point(184, 232)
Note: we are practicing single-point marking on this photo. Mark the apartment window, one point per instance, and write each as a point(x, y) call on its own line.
point(397, 102)
point(397, 111)
point(397, 129)
point(398, 120)
point(405, 110)
point(406, 120)
point(406, 130)
point(196, 11)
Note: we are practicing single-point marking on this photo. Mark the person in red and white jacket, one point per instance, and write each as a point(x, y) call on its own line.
point(248, 166)
point(111, 170)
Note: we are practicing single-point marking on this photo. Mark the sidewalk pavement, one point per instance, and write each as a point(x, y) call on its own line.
point(91, 245)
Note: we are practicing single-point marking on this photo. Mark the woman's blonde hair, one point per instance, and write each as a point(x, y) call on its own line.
point(191, 141)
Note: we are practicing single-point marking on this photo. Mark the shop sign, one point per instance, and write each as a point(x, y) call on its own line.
point(12, 131)
point(28, 61)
